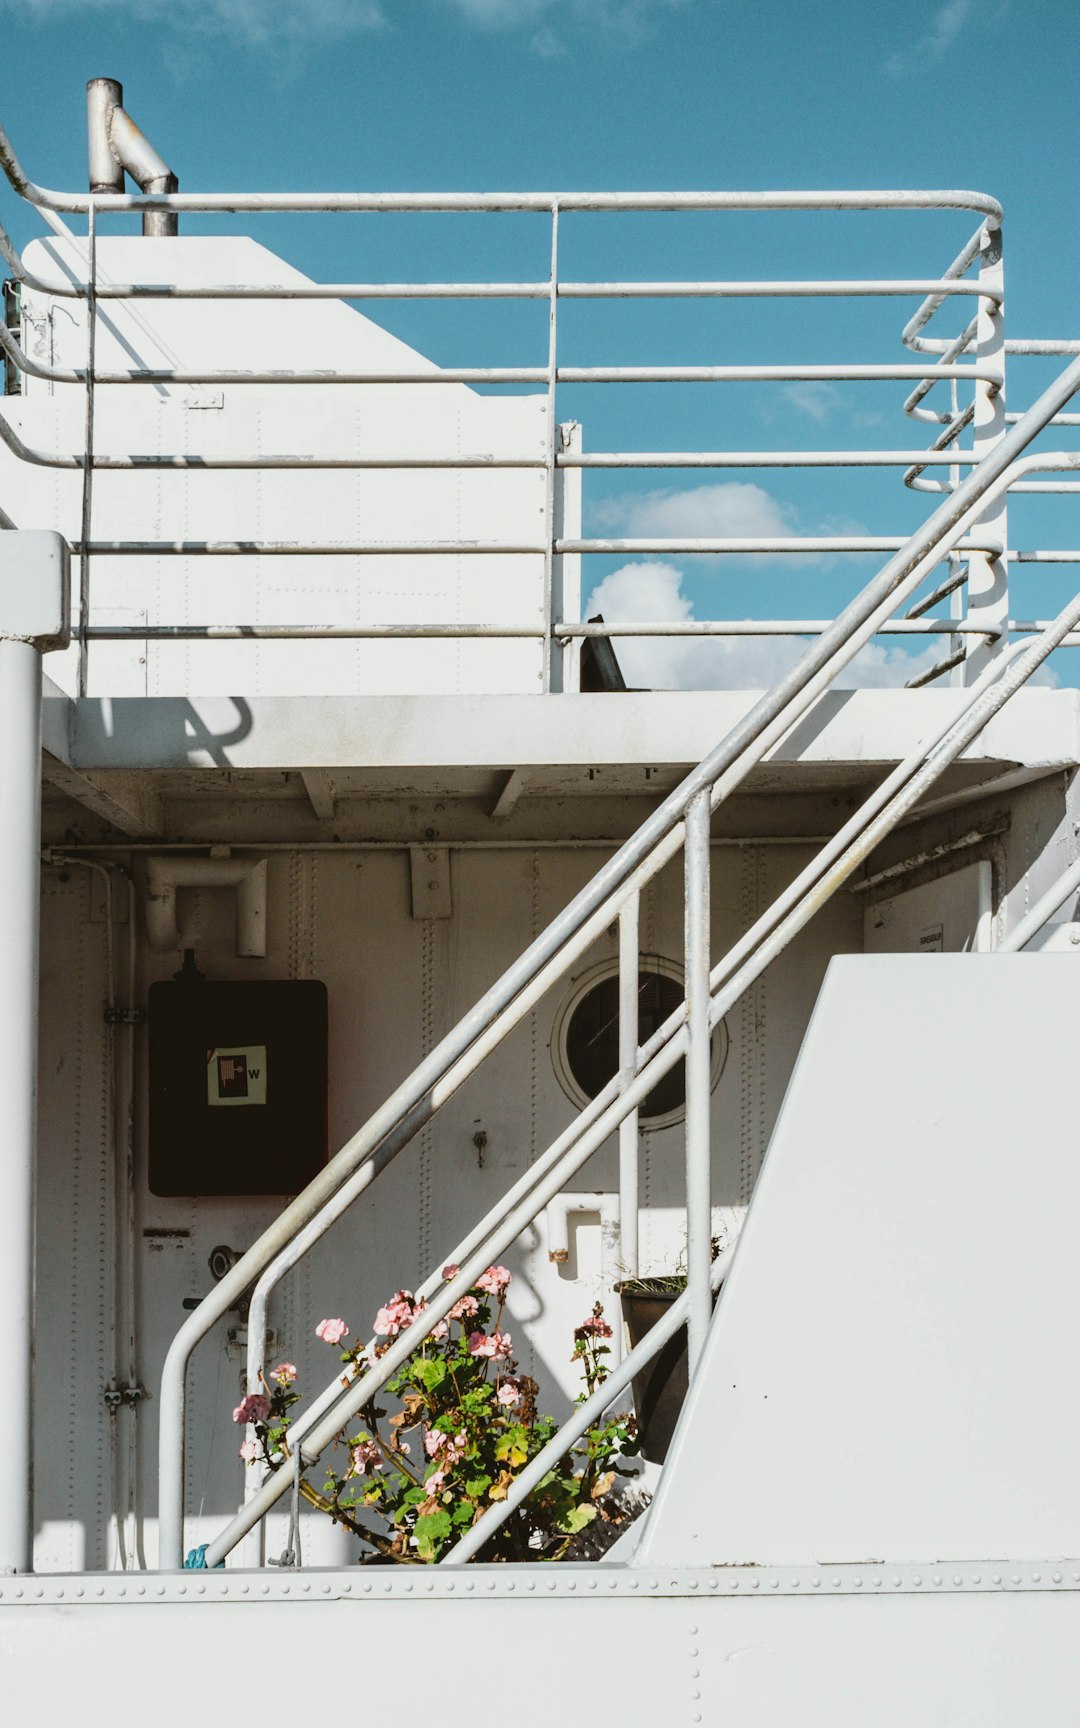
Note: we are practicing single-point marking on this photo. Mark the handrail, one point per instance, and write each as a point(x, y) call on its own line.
point(592, 910)
point(76, 203)
point(1043, 910)
point(728, 981)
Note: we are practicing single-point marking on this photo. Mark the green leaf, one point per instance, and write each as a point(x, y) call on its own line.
point(477, 1485)
point(430, 1531)
point(428, 1374)
point(576, 1519)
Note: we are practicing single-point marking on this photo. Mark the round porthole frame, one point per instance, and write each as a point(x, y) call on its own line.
point(580, 987)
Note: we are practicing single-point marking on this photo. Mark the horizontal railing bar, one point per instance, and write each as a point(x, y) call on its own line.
point(614, 459)
point(444, 375)
point(1013, 419)
point(765, 543)
point(500, 548)
point(303, 632)
point(544, 202)
point(1020, 345)
point(761, 458)
point(565, 632)
point(1053, 555)
point(823, 288)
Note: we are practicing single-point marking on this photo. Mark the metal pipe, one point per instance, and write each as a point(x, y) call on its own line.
point(698, 1075)
point(988, 574)
point(503, 549)
point(115, 144)
point(74, 203)
point(165, 875)
point(629, 1038)
point(20, 799)
point(909, 336)
point(1067, 883)
point(103, 97)
point(724, 627)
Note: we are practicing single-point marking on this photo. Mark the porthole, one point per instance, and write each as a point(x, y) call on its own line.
point(585, 1036)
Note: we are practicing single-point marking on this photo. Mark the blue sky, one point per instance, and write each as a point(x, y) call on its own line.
point(476, 94)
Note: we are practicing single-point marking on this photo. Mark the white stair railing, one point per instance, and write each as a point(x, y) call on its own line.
point(594, 909)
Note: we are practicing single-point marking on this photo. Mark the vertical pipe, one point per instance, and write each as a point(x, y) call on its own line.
point(20, 841)
point(698, 1161)
point(103, 95)
point(552, 645)
point(629, 919)
point(988, 577)
point(88, 456)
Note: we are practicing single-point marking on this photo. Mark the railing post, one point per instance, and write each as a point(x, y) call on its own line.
point(988, 574)
point(698, 1064)
point(551, 672)
point(33, 616)
point(628, 1051)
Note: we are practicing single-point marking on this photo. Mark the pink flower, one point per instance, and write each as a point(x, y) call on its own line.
point(396, 1315)
point(463, 1310)
point(435, 1481)
point(249, 1451)
point(509, 1392)
point(494, 1281)
point(254, 1408)
point(364, 1458)
point(451, 1270)
point(448, 1449)
point(594, 1327)
point(440, 1329)
point(496, 1346)
point(285, 1373)
point(331, 1331)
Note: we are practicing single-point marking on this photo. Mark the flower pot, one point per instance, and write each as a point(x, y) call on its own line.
point(660, 1387)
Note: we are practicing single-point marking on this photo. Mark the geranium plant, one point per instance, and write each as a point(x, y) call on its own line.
point(411, 1481)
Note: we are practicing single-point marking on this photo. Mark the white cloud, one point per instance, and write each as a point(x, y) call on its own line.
point(631, 19)
point(944, 28)
point(734, 509)
point(251, 22)
point(652, 591)
point(547, 25)
point(816, 399)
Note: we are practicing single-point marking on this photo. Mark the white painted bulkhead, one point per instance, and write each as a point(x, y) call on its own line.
point(347, 920)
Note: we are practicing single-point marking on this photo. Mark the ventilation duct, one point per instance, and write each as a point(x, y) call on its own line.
point(116, 144)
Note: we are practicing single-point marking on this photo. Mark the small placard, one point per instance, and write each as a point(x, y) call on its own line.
point(236, 1075)
point(932, 941)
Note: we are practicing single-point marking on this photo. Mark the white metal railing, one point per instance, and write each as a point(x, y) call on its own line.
point(978, 624)
point(681, 823)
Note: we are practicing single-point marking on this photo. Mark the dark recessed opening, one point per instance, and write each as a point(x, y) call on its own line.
point(592, 1039)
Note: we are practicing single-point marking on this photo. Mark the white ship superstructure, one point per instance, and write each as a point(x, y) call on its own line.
point(323, 724)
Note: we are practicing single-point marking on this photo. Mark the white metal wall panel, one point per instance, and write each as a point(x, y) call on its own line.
point(895, 1335)
point(74, 1436)
point(346, 506)
point(396, 984)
